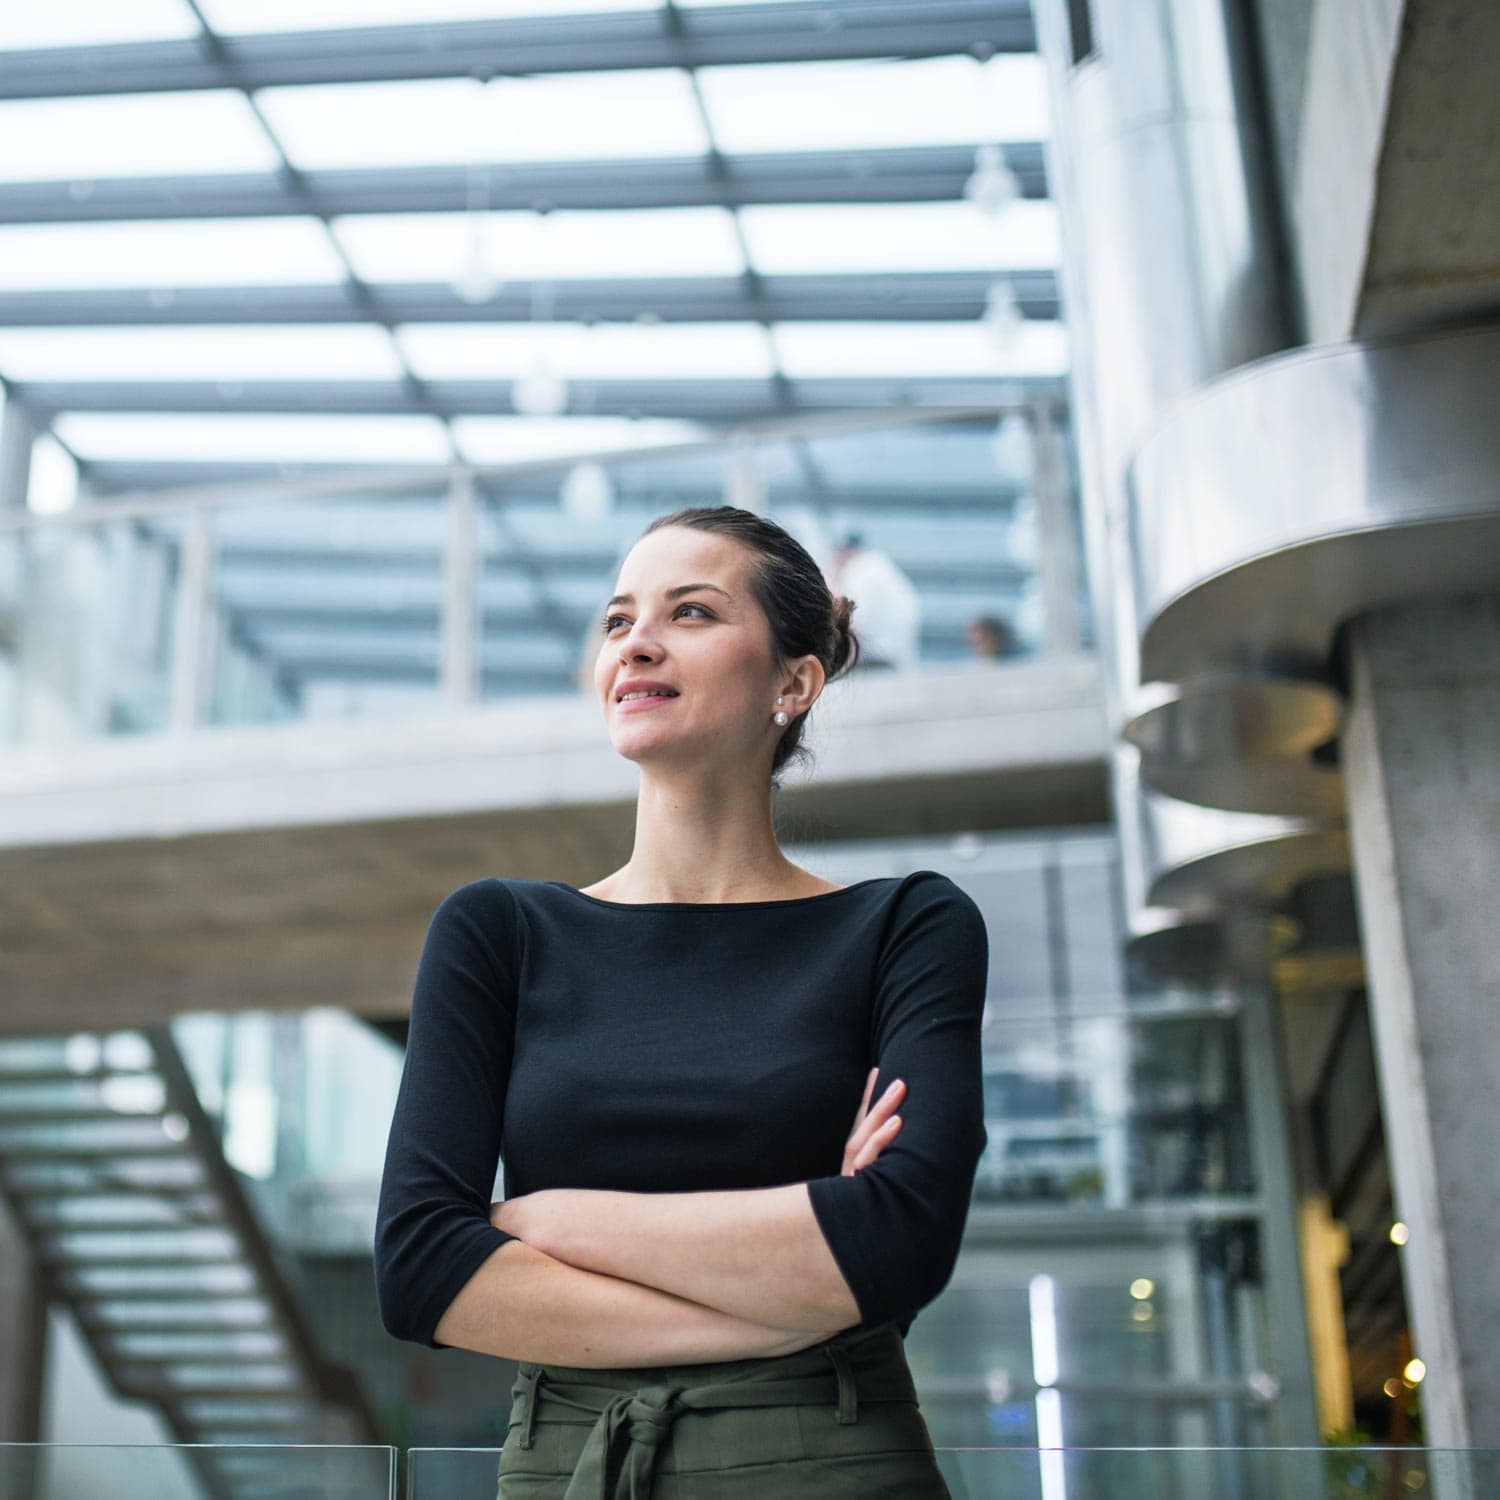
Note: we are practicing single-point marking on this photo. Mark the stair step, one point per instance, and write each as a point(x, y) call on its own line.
point(53, 1261)
point(62, 1074)
point(76, 1154)
point(252, 1411)
point(139, 1223)
point(105, 1329)
point(73, 1114)
point(159, 1345)
point(38, 1191)
point(166, 1394)
point(171, 1292)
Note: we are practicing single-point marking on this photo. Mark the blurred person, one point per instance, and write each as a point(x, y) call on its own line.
point(889, 627)
point(992, 638)
point(700, 1265)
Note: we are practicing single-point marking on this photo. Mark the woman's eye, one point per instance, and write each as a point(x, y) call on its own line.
point(609, 620)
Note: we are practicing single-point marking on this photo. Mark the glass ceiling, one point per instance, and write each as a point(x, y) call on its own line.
point(331, 233)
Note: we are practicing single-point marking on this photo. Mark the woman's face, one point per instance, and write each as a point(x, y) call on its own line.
point(711, 643)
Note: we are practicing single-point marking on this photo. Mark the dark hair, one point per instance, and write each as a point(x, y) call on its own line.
point(806, 619)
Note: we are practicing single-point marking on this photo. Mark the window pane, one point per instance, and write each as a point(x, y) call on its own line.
point(128, 135)
point(69, 23)
point(827, 106)
point(462, 351)
point(849, 237)
point(204, 252)
point(562, 246)
point(647, 112)
point(227, 352)
point(256, 437)
point(315, 15)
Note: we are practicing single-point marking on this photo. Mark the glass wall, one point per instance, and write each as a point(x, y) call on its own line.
point(325, 598)
point(1110, 1290)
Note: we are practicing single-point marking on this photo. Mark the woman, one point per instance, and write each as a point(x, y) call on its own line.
point(705, 1276)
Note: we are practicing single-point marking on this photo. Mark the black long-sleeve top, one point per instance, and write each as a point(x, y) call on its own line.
point(681, 1047)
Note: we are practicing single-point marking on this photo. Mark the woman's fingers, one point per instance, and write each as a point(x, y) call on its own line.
point(865, 1123)
point(875, 1129)
point(864, 1102)
point(877, 1143)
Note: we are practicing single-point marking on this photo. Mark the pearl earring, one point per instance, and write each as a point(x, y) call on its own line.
point(779, 715)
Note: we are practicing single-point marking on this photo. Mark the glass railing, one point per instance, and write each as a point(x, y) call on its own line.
point(370, 592)
point(197, 1471)
point(187, 1471)
point(1112, 1473)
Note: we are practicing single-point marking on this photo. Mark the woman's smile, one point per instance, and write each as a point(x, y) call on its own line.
point(630, 705)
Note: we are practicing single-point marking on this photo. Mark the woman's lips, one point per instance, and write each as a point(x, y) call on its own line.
point(637, 703)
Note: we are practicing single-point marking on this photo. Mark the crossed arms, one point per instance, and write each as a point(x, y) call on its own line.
point(598, 1278)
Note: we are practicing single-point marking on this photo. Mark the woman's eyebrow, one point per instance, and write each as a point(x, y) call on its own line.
point(673, 593)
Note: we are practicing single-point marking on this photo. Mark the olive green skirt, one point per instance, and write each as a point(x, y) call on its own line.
point(835, 1421)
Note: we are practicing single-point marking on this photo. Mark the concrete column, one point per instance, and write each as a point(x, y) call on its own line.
point(17, 438)
point(461, 666)
point(1421, 755)
point(1058, 562)
point(1294, 1416)
point(23, 1335)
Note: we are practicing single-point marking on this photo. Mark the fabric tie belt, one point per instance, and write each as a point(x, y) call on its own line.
point(618, 1460)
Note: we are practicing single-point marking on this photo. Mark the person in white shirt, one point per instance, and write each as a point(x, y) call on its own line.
point(887, 617)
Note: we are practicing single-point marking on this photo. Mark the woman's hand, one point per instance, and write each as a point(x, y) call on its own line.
point(526, 1216)
point(875, 1130)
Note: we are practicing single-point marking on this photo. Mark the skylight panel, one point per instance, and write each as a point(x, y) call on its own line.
point(499, 440)
point(853, 105)
point(128, 135)
point(896, 350)
point(255, 352)
point(254, 437)
point(556, 117)
point(793, 239)
point(565, 245)
point(670, 351)
point(172, 253)
point(243, 17)
point(91, 23)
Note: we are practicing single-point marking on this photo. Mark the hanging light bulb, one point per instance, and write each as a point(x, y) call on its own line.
point(475, 280)
point(587, 493)
point(1010, 444)
point(1002, 315)
point(992, 186)
point(540, 392)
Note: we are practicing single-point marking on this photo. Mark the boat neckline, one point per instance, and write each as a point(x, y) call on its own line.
point(715, 905)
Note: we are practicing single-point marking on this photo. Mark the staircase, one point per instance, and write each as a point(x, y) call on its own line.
point(139, 1225)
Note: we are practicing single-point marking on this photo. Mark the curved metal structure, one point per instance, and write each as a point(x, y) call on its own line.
point(1309, 487)
point(1252, 744)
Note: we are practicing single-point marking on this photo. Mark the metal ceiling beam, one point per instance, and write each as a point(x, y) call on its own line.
point(263, 616)
point(126, 476)
point(907, 174)
point(940, 296)
point(797, 31)
point(709, 400)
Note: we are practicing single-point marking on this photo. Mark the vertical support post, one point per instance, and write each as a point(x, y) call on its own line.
point(1421, 757)
point(460, 655)
point(17, 438)
point(23, 1334)
point(192, 650)
point(1062, 630)
point(1266, 1090)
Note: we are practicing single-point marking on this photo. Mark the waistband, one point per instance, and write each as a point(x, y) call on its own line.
point(633, 1416)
